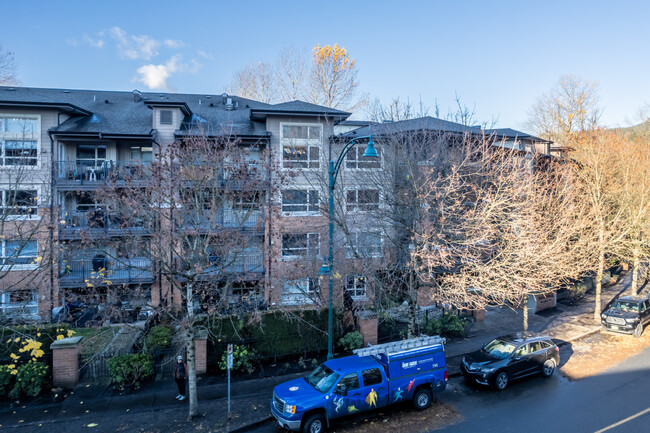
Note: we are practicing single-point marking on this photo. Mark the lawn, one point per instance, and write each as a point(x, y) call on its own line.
point(95, 339)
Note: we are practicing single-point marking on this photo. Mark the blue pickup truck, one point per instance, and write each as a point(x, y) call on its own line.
point(373, 377)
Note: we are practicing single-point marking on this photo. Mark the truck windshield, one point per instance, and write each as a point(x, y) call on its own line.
point(628, 307)
point(499, 349)
point(322, 378)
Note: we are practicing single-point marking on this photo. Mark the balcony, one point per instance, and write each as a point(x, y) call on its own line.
point(103, 271)
point(251, 176)
point(241, 219)
point(244, 266)
point(73, 175)
point(95, 223)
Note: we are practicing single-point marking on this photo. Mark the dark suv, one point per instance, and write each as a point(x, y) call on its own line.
point(510, 357)
point(628, 314)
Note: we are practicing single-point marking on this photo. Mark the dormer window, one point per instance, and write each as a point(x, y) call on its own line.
point(165, 117)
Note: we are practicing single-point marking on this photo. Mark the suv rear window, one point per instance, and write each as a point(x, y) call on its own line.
point(371, 377)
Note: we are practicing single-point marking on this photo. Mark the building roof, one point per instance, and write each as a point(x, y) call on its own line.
point(512, 133)
point(421, 123)
point(128, 113)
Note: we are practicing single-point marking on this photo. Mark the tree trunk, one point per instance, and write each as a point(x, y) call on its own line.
point(411, 309)
point(636, 264)
point(599, 274)
point(525, 314)
point(191, 358)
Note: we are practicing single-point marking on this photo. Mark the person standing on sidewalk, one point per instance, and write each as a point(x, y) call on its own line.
point(180, 373)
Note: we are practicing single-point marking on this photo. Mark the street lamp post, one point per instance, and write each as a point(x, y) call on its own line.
point(326, 269)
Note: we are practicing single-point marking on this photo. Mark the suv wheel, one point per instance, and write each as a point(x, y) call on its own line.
point(422, 399)
point(548, 368)
point(638, 331)
point(314, 424)
point(501, 381)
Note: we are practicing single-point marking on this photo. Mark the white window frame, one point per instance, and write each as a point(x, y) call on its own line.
point(17, 267)
point(360, 149)
point(357, 293)
point(355, 207)
point(3, 203)
point(354, 246)
point(301, 291)
point(20, 136)
point(312, 164)
point(309, 252)
point(309, 204)
point(7, 307)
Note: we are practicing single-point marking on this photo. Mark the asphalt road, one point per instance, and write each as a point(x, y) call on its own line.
point(615, 401)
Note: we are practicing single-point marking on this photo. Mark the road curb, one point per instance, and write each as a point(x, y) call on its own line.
point(251, 425)
point(580, 337)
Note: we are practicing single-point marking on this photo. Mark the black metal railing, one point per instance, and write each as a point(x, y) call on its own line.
point(101, 270)
point(81, 171)
point(221, 219)
point(72, 222)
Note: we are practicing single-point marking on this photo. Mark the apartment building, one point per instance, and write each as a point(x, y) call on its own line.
point(59, 147)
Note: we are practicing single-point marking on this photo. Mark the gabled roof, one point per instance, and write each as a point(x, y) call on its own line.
point(299, 108)
point(512, 133)
point(421, 123)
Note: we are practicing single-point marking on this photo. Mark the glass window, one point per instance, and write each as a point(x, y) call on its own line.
point(355, 158)
point(300, 146)
point(349, 382)
point(19, 252)
point(535, 346)
point(356, 286)
point(18, 141)
point(499, 349)
point(363, 200)
point(300, 157)
point(19, 301)
point(303, 244)
point(371, 377)
point(247, 200)
point(19, 202)
point(299, 200)
point(322, 378)
point(364, 244)
point(165, 117)
point(522, 351)
point(19, 125)
point(141, 153)
point(302, 291)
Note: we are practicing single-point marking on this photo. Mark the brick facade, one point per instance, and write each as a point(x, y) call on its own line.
point(65, 362)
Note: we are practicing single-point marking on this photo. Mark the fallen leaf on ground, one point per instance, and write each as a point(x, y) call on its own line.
point(92, 424)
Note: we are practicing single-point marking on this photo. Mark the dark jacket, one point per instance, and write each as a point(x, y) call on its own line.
point(180, 370)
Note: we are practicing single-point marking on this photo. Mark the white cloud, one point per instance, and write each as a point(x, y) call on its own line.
point(171, 43)
point(205, 55)
point(156, 76)
point(95, 43)
point(134, 47)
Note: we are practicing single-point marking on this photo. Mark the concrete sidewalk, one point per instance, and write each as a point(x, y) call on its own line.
point(155, 409)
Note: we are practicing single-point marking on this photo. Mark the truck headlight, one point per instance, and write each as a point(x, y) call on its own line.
point(290, 409)
point(631, 320)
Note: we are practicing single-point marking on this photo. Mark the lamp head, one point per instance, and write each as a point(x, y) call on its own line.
point(370, 150)
point(324, 269)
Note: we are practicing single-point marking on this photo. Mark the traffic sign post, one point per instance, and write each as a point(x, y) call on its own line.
point(229, 366)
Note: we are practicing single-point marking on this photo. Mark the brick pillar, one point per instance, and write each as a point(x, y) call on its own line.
point(65, 362)
point(479, 315)
point(201, 353)
point(368, 324)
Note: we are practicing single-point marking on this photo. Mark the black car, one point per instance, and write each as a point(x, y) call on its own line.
point(628, 314)
point(510, 357)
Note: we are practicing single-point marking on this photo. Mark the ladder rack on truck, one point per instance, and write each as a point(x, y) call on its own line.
point(399, 346)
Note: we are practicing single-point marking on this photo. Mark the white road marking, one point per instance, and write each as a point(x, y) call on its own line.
point(629, 418)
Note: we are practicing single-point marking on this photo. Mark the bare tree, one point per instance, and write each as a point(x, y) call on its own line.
point(255, 81)
point(7, 68)
point(570, 107)
point(291, 74)
point(333, 79)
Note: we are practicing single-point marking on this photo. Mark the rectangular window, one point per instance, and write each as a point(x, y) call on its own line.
point(141, 153)
point(300, 292)
point(364, 245)
point(19, 253)
point(19, 301)
point(18, 141)
point(165, 117)
point(355, 158)
point(300, 200)
point(356, 286)
point(301, 145)
point(371, 377)
point(300, 245)
point(247, 200)
point(363, 200)
point(19, 202)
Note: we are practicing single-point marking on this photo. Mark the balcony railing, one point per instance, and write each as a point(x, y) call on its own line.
point(103, 271)
point(221, 219)
point(72, 222)
point(239, 264)
point(93, 172)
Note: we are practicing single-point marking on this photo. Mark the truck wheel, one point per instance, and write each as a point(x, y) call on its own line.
point(501, 381)
point(314, 424)
point(422, 399)
point(638, 331)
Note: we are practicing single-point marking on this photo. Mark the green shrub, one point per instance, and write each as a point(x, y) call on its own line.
point(447, 325)
point(29, 379)
point(351, 341)
point(130, 369)
point(6, 379)
point(241, 359)
point(159, 337)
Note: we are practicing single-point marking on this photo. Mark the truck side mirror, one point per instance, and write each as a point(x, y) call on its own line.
point(341, 390)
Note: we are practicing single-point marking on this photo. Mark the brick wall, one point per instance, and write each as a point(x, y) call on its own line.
point(201, 355)
point(65, 362)
point(368, 324)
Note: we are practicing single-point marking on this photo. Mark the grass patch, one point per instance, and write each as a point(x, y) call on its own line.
point(95, 339)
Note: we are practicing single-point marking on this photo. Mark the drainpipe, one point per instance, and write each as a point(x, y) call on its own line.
point(52, 178)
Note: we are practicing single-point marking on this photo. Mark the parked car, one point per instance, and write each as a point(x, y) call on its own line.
point(374, 377)
point(628, 315)
point(510, 357)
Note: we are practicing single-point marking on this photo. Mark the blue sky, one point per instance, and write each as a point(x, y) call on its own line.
point(499, 55)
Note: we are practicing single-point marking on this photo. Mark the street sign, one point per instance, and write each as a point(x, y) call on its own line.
point(229, 349)
point(229, 361)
